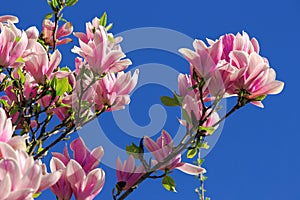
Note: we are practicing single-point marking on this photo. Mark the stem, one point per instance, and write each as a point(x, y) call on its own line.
point(56, 18)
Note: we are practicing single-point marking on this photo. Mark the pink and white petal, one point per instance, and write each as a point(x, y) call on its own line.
point(75, 175)
point(94, 159)
point(18, 143)
point(5, 187)
point(190, 169)
point(21, 194)
point(258, 104)
point(150, 144)
point(49, 179)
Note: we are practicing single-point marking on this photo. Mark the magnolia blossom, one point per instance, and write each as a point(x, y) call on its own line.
point(128, 173)
point(204, 59)
point(38, 63)
point(162, 148)
point(21, 176)
point(65, 30)
point(101, 54)
point(80, 175)
point(6, 131)
point(13, 43)
point(254, 77)
point(227, 70)
point(114, 90)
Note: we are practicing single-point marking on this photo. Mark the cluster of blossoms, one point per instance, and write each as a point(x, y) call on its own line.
point(34, 85)
point(20, 176)
point(230, 66)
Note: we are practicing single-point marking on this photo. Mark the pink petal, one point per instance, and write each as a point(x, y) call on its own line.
point(75, 175)
point(79, 149)
point(190, 169)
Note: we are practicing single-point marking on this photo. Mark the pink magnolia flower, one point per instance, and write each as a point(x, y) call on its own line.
point(21, 176)
point(85, 186)
point(64, 30)
point(13, 43)
point(6, 131)
point(128, 173)
point(204, 59)
point(38, 63)
point(254, 77)
point(85, 163)
point(162, 148)
point(101, 54)
point(113, 90)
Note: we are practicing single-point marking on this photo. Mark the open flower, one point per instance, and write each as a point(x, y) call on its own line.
point(114, 90)
point(254, 77)
point(80, 175)
point(39, 65)
point(85, 186)
point(13, 43)
point(204, 59)
point(101, 54)
point(162, 148)
point(128, 173)
point(21, 176)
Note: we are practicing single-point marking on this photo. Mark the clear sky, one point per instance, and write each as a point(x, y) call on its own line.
point(257, 154)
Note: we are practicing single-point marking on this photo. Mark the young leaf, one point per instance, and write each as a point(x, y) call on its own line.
point(48, 16)
point(103, 19)
point(62, 86)
point(71, 2)
point(191, 153)
point(133, 150)
point(169, 183)
point(168, 101)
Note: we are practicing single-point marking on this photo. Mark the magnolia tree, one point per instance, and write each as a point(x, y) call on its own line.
point(42, 103)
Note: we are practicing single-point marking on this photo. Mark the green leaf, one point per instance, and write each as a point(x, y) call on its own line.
point(168, 101)
point(54, 3)
point(103, 19)
point(62, 86)
point(48, 16)
point(169, 183)
point(22, 76)
point(71, 2)
point(209, 130)
point(133, 150)
point(191, 153)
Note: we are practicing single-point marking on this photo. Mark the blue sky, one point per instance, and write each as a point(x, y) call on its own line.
point(257, 154)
